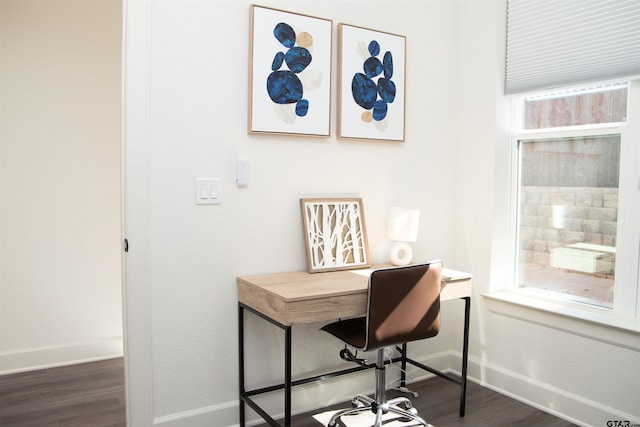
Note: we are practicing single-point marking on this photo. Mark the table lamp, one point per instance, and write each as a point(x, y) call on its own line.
point(403, 228)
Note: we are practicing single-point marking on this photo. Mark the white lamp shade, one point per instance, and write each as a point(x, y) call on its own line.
point(403, 224)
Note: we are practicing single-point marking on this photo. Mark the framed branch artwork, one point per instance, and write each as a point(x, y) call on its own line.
point(371, 84)
point(289, 73)
point(335, 234)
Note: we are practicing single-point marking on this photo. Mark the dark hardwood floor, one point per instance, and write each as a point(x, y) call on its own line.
point(89, 394)
point(438, 404)
point(92, 394)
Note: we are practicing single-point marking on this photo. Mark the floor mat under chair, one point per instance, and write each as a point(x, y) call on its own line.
point(364, 419)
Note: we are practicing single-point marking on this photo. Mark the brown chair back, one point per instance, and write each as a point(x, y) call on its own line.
point(404, 304)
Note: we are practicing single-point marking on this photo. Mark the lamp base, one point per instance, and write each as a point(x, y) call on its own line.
point(401, 253)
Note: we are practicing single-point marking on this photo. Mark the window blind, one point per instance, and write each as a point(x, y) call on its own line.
point(554, 43)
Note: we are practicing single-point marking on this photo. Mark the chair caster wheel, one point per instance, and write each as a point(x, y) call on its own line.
point(356, 403)
point(408, 406)
point(410, 409)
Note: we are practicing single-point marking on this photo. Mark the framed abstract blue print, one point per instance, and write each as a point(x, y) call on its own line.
point(289, 73)
point(371, 84)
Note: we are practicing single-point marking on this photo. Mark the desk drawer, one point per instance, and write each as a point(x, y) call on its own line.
point(303, 311)
point(317, 310)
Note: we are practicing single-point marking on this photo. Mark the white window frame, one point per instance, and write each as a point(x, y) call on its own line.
point(608, 325)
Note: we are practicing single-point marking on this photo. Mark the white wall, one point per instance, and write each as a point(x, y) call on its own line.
point(60, 291)
point(197, 114)
point(191, 77)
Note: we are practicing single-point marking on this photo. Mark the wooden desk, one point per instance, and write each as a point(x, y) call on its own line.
point(293, 298)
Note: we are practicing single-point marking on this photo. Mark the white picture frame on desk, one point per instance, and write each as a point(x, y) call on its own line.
point(335, 234)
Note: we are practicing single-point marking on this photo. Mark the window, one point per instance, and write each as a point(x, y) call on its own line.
point(577, 204)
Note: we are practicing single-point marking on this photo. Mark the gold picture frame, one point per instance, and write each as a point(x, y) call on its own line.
point(371, 84)
point(335, 234)
point(290, 58)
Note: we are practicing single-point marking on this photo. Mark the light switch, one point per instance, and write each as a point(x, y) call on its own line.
point(208, 191)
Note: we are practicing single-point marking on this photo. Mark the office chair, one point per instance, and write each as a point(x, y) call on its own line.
point(403, 305)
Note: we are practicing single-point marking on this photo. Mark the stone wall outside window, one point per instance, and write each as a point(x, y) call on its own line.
point(590, 216)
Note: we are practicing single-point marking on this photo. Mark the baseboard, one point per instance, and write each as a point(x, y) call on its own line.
point(63, 355)
point(545, 397)
point(225, 414)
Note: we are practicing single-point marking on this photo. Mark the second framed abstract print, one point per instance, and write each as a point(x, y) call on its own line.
point(289, 73)
point(371, 84)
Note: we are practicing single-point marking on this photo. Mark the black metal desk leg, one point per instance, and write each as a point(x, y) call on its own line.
point(241, 362)
point(287, 376)
point(403, 366)
point(465, 356)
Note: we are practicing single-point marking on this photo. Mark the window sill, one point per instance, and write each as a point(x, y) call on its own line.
point(589, 322)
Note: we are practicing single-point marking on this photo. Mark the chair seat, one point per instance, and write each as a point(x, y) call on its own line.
point(352, 331)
